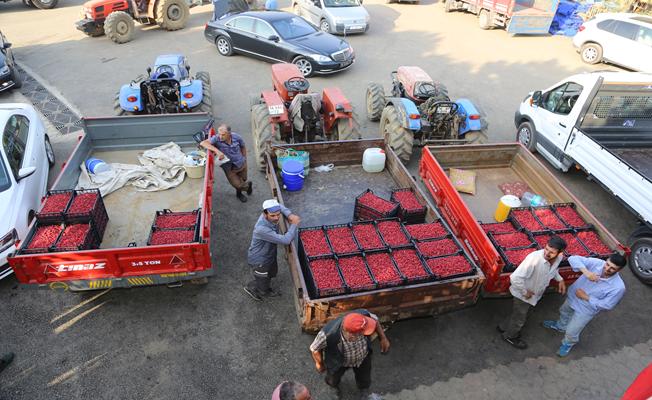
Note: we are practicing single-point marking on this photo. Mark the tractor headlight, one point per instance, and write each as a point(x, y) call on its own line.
point(320, 58)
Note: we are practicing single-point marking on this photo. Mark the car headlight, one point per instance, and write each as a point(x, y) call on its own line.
point(4, 70)
point(8, 240)
point(320, 58)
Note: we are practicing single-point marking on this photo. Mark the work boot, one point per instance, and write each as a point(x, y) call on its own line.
point(253, 294)
point(241, 196)
point(5, 360)
point(250, 188)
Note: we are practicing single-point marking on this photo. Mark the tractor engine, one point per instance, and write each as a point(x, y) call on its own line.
point(439, 117)
point(305, 114)
point(160, 96)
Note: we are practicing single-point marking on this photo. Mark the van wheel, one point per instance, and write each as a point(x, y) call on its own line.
point(640, 260)
point(526, 135)
point(49, 151)
point(591, 53)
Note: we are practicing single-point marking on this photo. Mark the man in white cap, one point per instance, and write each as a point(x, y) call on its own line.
point(261, 255)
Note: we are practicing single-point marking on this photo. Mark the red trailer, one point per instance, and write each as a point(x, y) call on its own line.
point(124, 259)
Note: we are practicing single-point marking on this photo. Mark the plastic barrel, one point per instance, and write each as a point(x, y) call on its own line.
point(95, 166)
point(292, 174)
point(505, 204)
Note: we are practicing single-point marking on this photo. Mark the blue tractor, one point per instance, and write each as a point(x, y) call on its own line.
point(420, 109)
point(167, 88)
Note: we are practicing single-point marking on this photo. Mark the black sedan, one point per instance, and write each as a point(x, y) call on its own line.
point(278, 36)
point(9, 74)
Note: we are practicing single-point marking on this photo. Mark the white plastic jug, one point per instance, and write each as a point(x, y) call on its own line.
point(373, 160)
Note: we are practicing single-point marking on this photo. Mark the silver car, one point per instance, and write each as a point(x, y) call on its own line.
point(334, 16)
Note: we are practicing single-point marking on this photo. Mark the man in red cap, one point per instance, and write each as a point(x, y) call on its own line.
point(344, 343)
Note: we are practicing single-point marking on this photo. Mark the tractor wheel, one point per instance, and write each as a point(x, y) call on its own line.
point(255, 99)
point(346, 131)
point(375, 101)
point(449, 5)
point(206, 104)
point(591, 53)
point(119, 27)
point(399, 138)
point(484, 19)
point(262, 132)
point(527, 136)
point(477, 137)
point(172, 15)
point(45, 4)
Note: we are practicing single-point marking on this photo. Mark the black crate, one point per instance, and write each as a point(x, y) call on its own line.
point(363, 212)
point(509, 266)
point(302, 252)
point(372, 223)
point(405, 234)
point(194, 230)
point(397, 282)
point(30, 236)
point(448, 231)
point(472, 267)
point(160, 213)
point(313, 290)
point(415, 216)
point(410, 280)
point(494, 241)
point(555, 208)
point(373, 285)
point(97, 214)
point(91, 240)
point(518, 225)
point(328, 240)
point(417, 242)
point(56, 217)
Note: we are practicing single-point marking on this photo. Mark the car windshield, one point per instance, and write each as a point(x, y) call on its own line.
point(5, 180)
point(293, 27)
point(341, 3)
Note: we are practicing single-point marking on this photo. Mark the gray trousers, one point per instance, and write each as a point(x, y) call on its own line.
point(263, 275)
point(513, 324)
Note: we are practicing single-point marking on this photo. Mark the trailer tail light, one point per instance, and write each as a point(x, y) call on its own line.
point(414, 116)
point(131, 99)
point(188, 95)
point(474, 117)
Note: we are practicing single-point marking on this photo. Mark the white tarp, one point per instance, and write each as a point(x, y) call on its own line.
point(161, 168)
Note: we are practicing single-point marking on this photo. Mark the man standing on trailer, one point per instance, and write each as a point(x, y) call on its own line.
point(599, 289)
point(230, 144)
point(528, 283)
point(262, 250)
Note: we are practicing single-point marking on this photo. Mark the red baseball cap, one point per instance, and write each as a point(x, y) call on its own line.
point(358, 323)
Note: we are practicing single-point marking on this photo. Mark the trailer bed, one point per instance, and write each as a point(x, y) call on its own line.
point(639, 159)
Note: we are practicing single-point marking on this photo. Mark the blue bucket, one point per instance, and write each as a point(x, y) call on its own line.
point(292, 174)
point(95, 166)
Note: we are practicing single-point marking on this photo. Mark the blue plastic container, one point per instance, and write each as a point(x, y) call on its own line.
point(292, 174)
point(95, 166)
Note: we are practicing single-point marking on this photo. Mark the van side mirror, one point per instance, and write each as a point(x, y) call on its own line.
point(25, 172)
point(536, 98)
point(7, 45)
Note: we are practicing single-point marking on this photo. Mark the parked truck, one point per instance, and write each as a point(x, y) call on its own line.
point(600, 122)
point(124, 259)
point(519, 17)
point(328, 198)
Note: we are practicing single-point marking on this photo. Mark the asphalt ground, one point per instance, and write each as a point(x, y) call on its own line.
point(212, 342)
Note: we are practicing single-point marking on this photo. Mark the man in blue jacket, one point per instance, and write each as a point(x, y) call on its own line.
point(261, 255)
point(599, 289)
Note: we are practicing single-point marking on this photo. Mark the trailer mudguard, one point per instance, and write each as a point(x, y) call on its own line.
point(127, 91)
point(407, 111)
point(474, 121)
point(194, 89)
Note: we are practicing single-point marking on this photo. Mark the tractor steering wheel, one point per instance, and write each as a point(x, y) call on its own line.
point(297, 84)
point(426, 90)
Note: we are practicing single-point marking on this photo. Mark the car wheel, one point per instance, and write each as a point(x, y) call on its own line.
point(224, 46)
point(305, 66)
point(591, 53)
point(640, 260)
point(49, 151)
point(325, 26)
point(15, 76)
point(527, 136)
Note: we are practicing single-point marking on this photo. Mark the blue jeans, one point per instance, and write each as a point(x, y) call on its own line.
point(572, 322)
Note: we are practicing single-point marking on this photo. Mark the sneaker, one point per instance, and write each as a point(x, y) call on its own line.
point(552, 325)
point(564, 349)
point(272, 293)
point(253, 294)
point(516, 342)
point(241, 197)
point(5, 360)
point(250, 188)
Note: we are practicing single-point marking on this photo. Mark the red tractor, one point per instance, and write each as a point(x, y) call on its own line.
point(289, 114)
point(115, 18)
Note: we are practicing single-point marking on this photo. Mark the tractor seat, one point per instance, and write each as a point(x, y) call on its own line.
point(163, 72)
point(297, 84)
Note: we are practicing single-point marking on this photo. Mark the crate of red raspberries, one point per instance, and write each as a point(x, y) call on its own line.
point(341, 239)
point(547, 217)
point(172, 236)
point(55, 205)
point(514, 257)
point(499, 227)
point(428, 230)
point(410, 265)
point(410, 209)
point(383, 269)
point(511, 240)
point(87, 205)
point(450, 267)
point(367, 236)
point(323, 277)
point(313, 242)
point(77, 237)
point(574, 246)
point(594, 244)
point(569, 215)
point(524, 218)
point(392, 232)
point(437, 248)
point(369, 206)
point(41, 238)
point(167, 219)
point(355, 273)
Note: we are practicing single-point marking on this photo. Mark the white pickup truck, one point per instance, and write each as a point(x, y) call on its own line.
point(601, 122)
